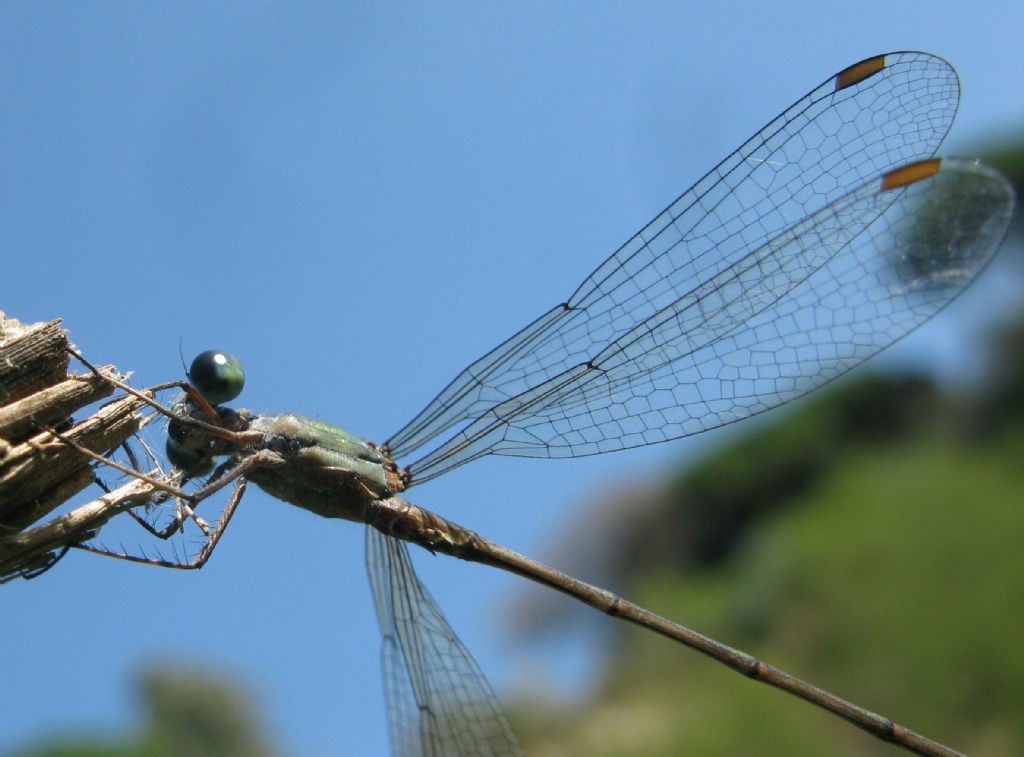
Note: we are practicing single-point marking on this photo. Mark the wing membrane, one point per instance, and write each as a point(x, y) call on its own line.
point(439, 702)
point(818, 299)
point(857, 125)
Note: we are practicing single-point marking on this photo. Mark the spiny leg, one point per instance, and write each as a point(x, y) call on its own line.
point(133, 460)
point(262, 458)
point(182, 511)
point(225, 475)
point(180, 495)
point(185, 502)
point(213, 539)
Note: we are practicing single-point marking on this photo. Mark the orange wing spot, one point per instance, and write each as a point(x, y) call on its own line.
point(858, 72)
point(908, 174)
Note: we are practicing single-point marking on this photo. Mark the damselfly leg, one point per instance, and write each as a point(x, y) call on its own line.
point(171, 487)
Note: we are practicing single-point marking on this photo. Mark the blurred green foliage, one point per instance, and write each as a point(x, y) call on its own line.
point(1008, 157)
point(186, 712)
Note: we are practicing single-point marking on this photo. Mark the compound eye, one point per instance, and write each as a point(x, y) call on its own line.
point(217, 375)
point(193, 462)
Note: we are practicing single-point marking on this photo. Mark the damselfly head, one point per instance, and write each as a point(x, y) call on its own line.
point(218, 377)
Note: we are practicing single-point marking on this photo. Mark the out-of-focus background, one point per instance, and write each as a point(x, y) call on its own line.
point(359, 200)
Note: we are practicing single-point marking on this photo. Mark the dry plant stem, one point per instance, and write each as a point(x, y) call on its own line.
point(39, 473)
point(34, 510)
point(31, 357)
point(37, 466)
point(53, 404)
point(23, 551)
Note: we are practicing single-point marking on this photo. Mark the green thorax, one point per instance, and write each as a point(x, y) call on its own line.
point(327, 470)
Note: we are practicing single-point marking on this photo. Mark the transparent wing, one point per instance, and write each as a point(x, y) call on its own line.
point(818, 299)
point(865, 121)
point(439, 702)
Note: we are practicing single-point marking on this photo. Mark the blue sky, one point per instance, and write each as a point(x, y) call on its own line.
point(358, 200)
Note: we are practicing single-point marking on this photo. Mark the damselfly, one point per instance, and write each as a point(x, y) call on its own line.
point(827, 236)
